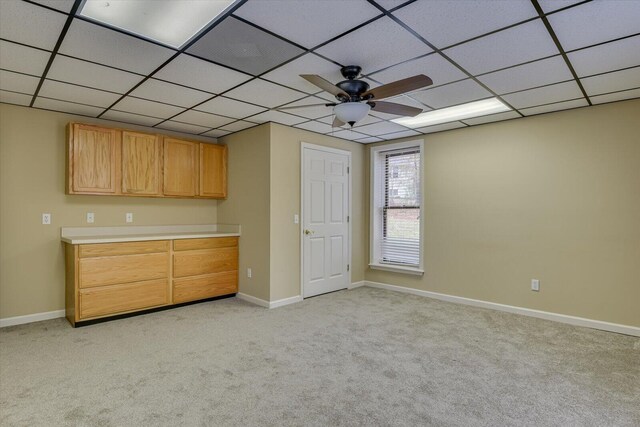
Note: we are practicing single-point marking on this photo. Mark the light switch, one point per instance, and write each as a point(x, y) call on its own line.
point(296, 219)
point(90, 218)
point(128, 217)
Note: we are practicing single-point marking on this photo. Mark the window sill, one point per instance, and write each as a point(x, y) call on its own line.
point(397, 269)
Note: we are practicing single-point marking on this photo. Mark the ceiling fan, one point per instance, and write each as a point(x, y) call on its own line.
point(355, 99)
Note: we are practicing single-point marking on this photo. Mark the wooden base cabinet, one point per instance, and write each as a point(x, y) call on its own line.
point(108, 279)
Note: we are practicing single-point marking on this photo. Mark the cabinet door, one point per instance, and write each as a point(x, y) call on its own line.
point(141, 158)
point(93, 162)
point(179, 167)
point(213, 170)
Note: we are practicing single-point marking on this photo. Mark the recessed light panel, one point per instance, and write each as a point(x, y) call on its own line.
point(450, 114)
point(169, 22)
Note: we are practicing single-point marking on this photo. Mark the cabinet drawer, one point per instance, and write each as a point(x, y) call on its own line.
point(122, 269)
point(207, 261)
point(125, 248)
point(210, 243)
point(192, 289)
point(120, 298)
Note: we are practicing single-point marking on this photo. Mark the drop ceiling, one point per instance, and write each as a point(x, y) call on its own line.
point(537, 56)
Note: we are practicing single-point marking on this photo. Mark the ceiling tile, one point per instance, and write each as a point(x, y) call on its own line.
point(243, 47)
point(403, 134)
point(381, 128)
point(15, 98)
point(595, 22)
point(435, 66)
point(441, 128)
point(98, 44)
point(147, 108)
point(527, 76)
point(238, 126)
point(229, 107)
point(277, 117)
point(375, 46)
point(554, 107)
point(544, 95)
point(169, 93)
point(446, 22)
point(492, 118)
point(612, 82)
point(370, 139)
point(202, 119)
point(289, 74)
point(315, 127)
point(616, 96)
point(77, 94)
point(607, 57)
point(67, 107)
point(216, 133)
point(16, 82)
point(61, 5)
point(309, 108)
point(315, 21)
point(513, 46)
point(30, 24)
point(551, 5)
point(15, 57)
point(262, 92)
point(85, 73)
point(348, 134)
point(182, 127)
point(137, 119)
point(452, 94)
point(193, 72)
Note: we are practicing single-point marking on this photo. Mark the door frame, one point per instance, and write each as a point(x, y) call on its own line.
point(303, 146)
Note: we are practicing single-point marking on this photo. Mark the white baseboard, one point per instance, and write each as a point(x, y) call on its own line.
point(253, 300)
point(563, 318)
point(357, 284)
point(269, 304)
point(285, 301)
point(37, 317)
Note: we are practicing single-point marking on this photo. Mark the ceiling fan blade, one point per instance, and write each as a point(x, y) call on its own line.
point(337, 123)
point(399, 87)
point(393, 108)
point(325, 85)
point(330, 104)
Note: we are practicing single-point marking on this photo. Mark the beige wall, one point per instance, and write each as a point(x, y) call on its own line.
point(32, 171)
point(554, 197)
point(247, 204)
point(285, 202)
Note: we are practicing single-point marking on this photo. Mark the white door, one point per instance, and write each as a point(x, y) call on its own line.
point(325, 228)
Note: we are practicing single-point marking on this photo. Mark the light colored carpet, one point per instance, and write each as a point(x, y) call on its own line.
point(360, 357)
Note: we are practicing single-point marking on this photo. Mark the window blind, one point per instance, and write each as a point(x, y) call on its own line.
point(398, 201)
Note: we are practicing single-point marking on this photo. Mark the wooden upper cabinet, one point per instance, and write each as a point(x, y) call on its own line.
point(213, 170)
point(180, 163)
point(141, 164)
point(92, 161)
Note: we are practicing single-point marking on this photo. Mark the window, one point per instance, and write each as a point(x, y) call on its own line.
point(396, 226)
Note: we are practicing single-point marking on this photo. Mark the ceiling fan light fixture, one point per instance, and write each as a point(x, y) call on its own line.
point(458, 112)
point(351, 112)
point(165, 21)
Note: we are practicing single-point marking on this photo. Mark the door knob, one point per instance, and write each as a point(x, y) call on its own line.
point(307, 232)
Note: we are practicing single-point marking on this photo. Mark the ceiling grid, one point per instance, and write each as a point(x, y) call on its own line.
point(214, 89)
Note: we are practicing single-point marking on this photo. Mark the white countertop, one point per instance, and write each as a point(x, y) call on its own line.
point(85, 235)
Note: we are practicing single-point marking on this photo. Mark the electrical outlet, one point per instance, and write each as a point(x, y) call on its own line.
point(535, 285)
point(46, 218)
point(249, 273)
point(128, 217)
point(90, 217)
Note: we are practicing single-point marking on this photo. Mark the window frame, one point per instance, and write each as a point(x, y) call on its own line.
point(377, 209)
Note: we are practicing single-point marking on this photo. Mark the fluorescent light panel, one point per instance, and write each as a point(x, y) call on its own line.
point(450, 114)
point(169, 22)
